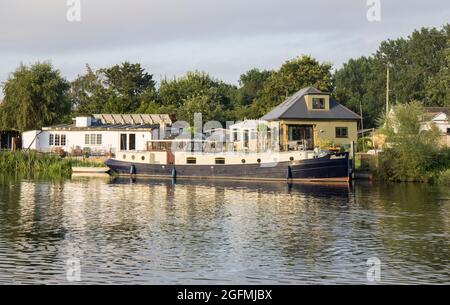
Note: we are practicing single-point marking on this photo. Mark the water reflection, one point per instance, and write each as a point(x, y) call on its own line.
point(147, 231)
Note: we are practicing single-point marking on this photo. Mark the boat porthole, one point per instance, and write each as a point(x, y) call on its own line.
point(291, 158)
point(124, 157)
point(132, 157)
point(142, 158)
point(243, 160)
point(259, 160)
point(163, 166)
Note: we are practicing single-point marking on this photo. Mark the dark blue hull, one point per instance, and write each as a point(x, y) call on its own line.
point(329, 168)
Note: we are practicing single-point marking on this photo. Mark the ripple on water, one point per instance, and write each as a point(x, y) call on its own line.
point(221, 232)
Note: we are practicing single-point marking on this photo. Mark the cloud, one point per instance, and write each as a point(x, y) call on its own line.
point(224, 38)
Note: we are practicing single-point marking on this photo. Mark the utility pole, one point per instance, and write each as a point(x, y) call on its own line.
point(387, 89)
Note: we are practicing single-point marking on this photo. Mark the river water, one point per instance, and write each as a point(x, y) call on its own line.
point(100, 230)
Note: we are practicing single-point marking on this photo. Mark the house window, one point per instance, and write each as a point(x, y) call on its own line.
point(57, 140)
point(318, 103)
point(448, 131)
point(191, 160)
point(123, 141)
point(341, 132)
point(92, 139)
point(132, 141)
point(220, 160)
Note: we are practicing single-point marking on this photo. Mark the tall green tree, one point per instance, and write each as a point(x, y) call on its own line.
point(293, 75)
point(360, 84)
point(87, 93)
point(117, 89)
point(191, 91)
point(125, 84)
point(419, 70)
point(34, 96)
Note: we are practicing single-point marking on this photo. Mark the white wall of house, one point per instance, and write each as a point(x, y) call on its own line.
point(75, 139)
point(31, 139)
point(441, 121)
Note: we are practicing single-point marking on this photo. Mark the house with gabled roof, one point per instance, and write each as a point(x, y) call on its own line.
point(309, 116)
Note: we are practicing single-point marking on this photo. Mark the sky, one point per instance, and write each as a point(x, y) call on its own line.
point(224, 38)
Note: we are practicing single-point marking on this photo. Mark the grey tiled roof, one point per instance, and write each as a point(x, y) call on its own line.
point(295, 107)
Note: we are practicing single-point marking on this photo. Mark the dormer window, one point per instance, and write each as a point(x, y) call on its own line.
point(318, 103)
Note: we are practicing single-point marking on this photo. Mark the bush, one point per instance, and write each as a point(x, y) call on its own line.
point(411, 154)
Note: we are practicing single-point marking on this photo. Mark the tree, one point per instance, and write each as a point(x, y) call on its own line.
point(362, 81)
point(292, 76)
point(419, 66)
point(412, 153)
point(207, 103)
point(125, 84)
point(191, 91)
point(87, 93)
point(251, 84)
point(117, 89)
point(34, 97)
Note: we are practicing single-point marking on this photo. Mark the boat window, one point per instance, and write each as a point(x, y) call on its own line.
point(243, 160)
point(132, 141)
point(258, 160)
point(235, 135)
point(132, 157)
point(191, 160)
point(142, 158)
point(220, 160)
point(291, 158)
point(246, 138)
point(123, 141)
point(124, 157)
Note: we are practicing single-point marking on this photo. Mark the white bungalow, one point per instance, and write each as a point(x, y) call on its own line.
point(440, 116)
point(100, 134)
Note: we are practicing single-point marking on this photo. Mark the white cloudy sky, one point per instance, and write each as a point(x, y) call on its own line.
point(225, 38)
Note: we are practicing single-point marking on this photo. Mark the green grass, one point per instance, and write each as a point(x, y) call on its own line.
point(33, 164)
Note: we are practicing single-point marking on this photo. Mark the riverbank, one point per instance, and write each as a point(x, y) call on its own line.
point(33, 164)
point(375, 167)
